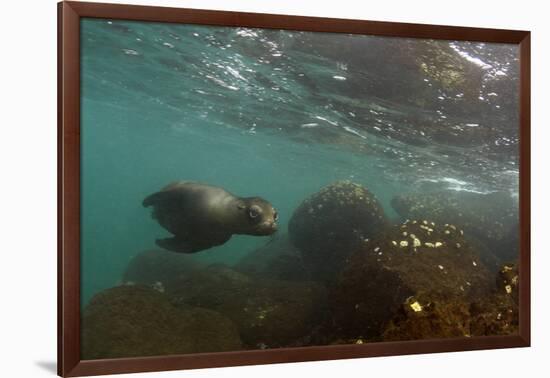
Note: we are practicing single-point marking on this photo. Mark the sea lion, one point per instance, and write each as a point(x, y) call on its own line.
point(202, 216)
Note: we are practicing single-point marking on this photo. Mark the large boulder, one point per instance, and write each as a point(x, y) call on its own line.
point(491, 218)
point(332, 223)
point(137, 321)
point(279, 260)
point(499, 313)
point(508, 281)
point(414, 264)
point(159, 268)
point(494, 314)
point(268, 313)
point(439, 318)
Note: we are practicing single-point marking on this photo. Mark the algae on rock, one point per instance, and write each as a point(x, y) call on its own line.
point(418, 260)
point(329, 225)
point(137, 321)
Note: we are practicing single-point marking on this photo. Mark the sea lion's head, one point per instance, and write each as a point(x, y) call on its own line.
point(258, 216)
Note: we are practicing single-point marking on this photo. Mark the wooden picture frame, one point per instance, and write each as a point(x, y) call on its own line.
point(69, 16)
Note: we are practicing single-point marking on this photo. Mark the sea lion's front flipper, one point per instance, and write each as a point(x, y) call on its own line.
point(177, 245)
point(181, 245)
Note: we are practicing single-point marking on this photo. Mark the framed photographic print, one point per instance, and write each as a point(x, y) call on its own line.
point(239, 188)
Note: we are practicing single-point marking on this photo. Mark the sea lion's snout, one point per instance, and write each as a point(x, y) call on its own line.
point(271, 226)
point(272, 223)
point(267, 228)
point(268, 224)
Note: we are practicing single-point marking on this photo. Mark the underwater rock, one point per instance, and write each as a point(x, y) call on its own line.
point(434, 319)
point(268, 313)
point(278, 260)
point(494, 314)
point(136, 321)
point(508, 281)
point(426, 318)
point(440, 318)
point(332, 223)
point(498, 315)
point(419, 260)
point(210, 287)
point(152, 267)
point(490, 218)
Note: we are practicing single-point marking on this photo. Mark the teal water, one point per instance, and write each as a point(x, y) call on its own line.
point(278, 114)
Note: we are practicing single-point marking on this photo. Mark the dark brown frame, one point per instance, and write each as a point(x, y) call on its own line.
point(69, 14)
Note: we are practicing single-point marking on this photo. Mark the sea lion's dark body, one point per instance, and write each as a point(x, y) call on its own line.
point(202, 216)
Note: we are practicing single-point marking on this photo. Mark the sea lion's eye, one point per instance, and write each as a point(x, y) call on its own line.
point(253, 212)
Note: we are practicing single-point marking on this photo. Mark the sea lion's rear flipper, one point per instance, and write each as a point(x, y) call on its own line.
point(161, 197)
